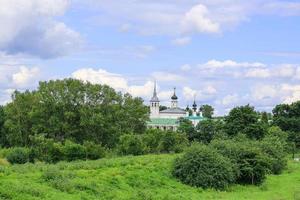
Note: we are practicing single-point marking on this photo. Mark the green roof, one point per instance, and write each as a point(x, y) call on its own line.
point(163, 121)
point(195, 118)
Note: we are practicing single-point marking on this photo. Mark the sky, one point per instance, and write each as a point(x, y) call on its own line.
point(226, 53)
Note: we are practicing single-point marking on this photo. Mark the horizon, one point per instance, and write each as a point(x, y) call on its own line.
point(227, 53)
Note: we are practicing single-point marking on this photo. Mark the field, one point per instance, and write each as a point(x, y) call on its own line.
point(142, 177)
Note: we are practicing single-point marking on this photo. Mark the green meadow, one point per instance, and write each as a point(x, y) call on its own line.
point(140, 177)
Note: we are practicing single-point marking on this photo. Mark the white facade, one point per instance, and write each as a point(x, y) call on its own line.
point(169, 119)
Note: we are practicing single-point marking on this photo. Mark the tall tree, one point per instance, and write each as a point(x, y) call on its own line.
point(2, 133)
point(207, 111)
point(287, 117)
point(18, 122)
point(187, 127)
point(240, 118)
point(74, 110)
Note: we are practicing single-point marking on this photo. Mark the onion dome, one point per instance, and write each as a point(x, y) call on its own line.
point(174, 97)
point(194, 106)
point(187, 108)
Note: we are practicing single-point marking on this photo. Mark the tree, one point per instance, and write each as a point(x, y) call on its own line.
point(2, 133)
point(240, 118)
point(74, 110)
point(287, 117)
point(264, 117)
point(18, 123)
point(206, 130)
point(187, 127)
point(207, 111)
point(256, 130)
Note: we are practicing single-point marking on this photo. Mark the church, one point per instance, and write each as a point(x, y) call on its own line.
point(169, 119)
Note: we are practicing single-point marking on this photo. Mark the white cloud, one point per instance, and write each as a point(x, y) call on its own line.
point(181, 41)
point(215, 64)
point(5, 96)
point(189, 93)
point(290, 93)
point(25, 76)
point(116, 81)
point(264, 92)
point(229, 100)
point(165, 76)
point(101, 76)
point(197, 20)
point(29, 26)
point(186, 67)
point(258, 73)
point(145, 90)
point(189, 16)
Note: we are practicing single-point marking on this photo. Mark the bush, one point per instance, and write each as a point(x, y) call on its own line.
point(94, 151)
point(131, 144)
point(250, 163)
point(46, 149)
point(73, 151)
point(152, 138)
point(172, 142)
point(274, 147)
point(204, 167)
point(18, 155)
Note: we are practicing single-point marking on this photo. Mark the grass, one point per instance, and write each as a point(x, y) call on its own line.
point(143, 177)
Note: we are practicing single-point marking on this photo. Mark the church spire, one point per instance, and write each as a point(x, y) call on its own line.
point(154, 98)
point(194, 104)
point(174, 97)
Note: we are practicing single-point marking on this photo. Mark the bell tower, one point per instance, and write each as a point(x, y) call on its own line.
point(154, 104)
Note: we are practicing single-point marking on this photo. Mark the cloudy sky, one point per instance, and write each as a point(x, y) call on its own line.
point(226, 52)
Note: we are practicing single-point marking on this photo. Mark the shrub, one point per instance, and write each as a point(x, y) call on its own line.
point(250, 163)
point(46, 149)
point(94, 151)
point(131, 144)
point(172, 142)
point(152, 138)
point(274, 147)
point(73, 151)
point(18, 155)
point(204, 167)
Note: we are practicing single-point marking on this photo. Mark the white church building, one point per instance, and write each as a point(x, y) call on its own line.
point(169, 119)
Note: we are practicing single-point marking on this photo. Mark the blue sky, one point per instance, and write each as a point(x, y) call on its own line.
point(226, 52)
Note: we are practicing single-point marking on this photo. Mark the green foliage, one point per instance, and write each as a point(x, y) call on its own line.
point(2, 133)
point(287, 117)
point(202, 166)
point(94, 151)
point(47, 149)
point(18, 155)
point(18, 121)
point(251, 163)
point(240, 118)
point(256, 130)
point(206, 131)
point(186, 127)
point(276, 131)
point(73, 151)
point(131, 144)
point(172, 142)
point(151, 139)
point(73, 110)
point(135, 178)
point(274, 147)
point(207, 111)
